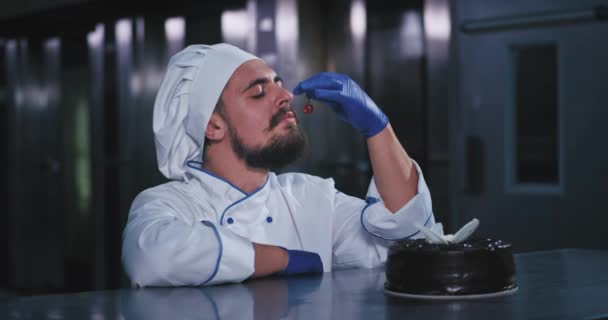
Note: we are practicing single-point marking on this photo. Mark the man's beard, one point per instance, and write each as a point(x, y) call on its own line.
point(281, 151)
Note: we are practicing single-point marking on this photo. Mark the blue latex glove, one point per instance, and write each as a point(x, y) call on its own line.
point(302, 262)
point(347, 99)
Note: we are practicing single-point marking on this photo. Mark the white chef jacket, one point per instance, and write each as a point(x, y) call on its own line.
point(200, 231)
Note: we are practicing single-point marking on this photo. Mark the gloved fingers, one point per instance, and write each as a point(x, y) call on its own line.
point(333, 99)
point(319, 81)
point(331, 96)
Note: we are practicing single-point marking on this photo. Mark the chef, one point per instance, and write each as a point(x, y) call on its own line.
point(222, 122)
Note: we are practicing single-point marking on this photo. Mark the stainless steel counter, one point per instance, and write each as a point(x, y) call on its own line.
point(563, 284)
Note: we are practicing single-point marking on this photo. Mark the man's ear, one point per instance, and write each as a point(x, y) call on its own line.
point(216, 128)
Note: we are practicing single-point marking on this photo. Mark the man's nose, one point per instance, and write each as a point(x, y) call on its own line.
point(284, 97)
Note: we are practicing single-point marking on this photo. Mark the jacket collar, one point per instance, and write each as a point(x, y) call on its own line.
point(221, 193)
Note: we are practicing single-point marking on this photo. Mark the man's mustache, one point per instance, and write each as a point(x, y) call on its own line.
point(276, 118)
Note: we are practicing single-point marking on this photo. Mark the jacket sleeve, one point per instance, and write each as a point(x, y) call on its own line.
point(363, 230)
point(161, 249)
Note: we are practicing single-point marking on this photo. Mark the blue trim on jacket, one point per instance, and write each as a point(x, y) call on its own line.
point(219, 256)
point(370, 201)
point(212, 174)
point(239, 201)
point(247, 195)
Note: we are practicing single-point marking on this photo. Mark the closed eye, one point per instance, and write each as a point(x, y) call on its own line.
point(261, 82)
point(278, 80)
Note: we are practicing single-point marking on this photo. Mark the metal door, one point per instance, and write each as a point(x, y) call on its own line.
point(532, 160)
point(35, 175)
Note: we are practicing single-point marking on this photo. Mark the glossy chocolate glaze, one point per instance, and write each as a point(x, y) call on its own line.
point(472, 267)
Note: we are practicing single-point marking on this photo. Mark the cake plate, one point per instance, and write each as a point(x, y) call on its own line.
point(452, 297)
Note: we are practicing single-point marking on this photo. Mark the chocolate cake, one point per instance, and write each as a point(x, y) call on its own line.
point(471, 267)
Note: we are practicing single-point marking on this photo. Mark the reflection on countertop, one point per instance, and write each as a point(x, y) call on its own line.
point(560, 284)
point(269, 298)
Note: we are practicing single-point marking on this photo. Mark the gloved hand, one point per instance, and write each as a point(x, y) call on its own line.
point(302, 262)
point(347, 99)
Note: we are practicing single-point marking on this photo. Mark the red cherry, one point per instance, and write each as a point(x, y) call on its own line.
point(308, 108)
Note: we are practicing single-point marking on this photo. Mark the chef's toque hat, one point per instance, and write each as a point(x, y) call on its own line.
point(185, 101)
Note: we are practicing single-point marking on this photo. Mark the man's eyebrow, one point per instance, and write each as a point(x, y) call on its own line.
point(261, 81)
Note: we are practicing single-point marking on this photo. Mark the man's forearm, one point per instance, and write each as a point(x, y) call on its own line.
point(268, 260)
point(394, 172)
